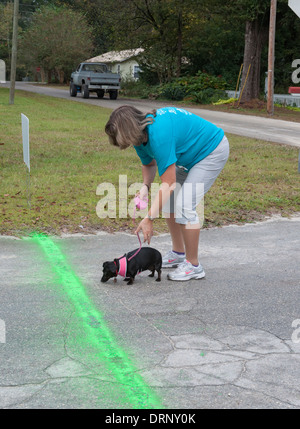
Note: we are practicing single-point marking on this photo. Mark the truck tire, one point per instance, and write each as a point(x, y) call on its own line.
point(73, 90)
point(100, 93)
point(85, 91)
point(113, 94)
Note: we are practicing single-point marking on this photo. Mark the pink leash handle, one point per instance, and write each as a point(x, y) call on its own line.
point(140, 205)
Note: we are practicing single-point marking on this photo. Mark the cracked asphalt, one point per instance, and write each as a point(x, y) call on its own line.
point(231, 340)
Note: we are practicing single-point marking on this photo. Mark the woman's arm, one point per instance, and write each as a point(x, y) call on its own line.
point(168, 180)
point(149, 172)
point(168, 183)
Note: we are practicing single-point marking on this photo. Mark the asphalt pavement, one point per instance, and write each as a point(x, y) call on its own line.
point(231, 340)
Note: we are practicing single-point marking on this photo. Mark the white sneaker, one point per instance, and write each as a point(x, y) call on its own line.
point(187, 271)
point(172, 260)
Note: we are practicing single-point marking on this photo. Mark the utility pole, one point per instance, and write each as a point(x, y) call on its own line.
point(13, 66)
point(271, 60)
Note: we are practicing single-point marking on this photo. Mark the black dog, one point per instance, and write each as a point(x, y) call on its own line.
point(146, 259)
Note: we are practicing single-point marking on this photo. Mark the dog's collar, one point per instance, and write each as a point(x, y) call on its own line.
point(122, 267)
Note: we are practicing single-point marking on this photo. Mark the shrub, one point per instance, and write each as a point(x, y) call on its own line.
point(135, 88)
point(207, 96)
point(173, 91)
point(202, 88)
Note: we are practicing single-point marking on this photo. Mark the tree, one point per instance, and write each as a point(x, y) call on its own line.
point(156, 25)
point(235, 17)
point(256, 36)
point(216, 36)
point(57, 39)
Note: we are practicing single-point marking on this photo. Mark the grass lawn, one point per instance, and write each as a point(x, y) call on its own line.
point(70, 157)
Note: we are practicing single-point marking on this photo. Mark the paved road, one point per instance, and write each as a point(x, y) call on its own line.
point(268, 129)
point(231, 340)
point(226, 341)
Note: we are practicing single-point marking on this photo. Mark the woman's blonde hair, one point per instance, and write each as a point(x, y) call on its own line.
point(126, 126)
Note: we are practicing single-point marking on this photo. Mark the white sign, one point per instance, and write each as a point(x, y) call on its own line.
point(2, 72)
point(25, 135)
point(295, 6)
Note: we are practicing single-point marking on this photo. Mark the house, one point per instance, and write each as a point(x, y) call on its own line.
point(123, 62)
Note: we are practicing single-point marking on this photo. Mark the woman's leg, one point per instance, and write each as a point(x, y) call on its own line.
point(198, 181)
point(184, 240)
point(174, 228)
point(176, 234)
point(191, 242)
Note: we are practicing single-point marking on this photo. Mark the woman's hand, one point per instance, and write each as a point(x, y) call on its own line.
point(146, 225)
point(143, 193)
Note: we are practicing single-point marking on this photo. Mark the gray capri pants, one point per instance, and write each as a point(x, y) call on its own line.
point(192, 185)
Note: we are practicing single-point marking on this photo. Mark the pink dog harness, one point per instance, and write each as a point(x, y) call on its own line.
point(122, 267)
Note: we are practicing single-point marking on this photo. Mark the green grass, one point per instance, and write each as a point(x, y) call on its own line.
point(70, 157)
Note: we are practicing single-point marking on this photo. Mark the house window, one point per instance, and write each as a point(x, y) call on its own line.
point(136, 71)
point(118, 68)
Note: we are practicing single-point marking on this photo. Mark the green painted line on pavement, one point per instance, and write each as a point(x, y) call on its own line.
point(98, 335)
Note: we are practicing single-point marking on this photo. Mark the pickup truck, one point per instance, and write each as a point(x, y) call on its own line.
point(94, 77)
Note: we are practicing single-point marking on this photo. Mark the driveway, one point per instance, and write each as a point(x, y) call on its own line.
point(230, 340)
point(268, 129)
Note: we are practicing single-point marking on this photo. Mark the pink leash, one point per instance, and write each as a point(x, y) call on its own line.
point(138, 249)
point(141, 205)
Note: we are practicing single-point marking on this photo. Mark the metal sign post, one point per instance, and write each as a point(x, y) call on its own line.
point(13, 66)
point(271, 57)
point(26, 153)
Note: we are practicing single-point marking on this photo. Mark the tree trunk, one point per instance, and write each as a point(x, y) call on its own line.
point(254, 39)
point(60, 75)
point(179, 45)
point(43, 75)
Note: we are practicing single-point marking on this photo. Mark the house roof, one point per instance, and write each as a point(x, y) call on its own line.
point(116, 56)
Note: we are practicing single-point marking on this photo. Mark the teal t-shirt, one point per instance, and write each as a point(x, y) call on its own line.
point(180, 137)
